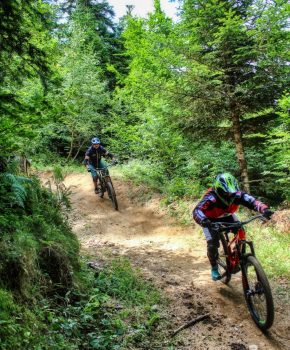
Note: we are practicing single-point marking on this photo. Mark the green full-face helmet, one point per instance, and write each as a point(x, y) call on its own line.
point(226, 187)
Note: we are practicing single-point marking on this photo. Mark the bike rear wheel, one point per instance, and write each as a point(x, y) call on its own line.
point(223, 261)
point(112, 195)
point(258, 293)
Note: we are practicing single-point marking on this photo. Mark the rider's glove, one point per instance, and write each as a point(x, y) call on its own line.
point(89, 170)
point(206, 223)
point(267, 213)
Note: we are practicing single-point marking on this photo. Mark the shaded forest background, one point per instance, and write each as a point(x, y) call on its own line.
point(176, 101)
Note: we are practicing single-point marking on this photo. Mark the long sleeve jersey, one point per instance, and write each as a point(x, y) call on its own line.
point(95, 155)
point(212, 207)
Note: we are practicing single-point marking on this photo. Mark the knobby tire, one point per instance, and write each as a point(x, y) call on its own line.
point(223, 261)
point(112, 195)
point(257, 293)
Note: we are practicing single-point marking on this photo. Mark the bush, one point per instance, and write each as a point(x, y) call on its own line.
point(145, 172)
point(48, 298)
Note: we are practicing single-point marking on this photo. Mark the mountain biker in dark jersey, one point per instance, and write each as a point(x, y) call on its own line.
point(219, 204)
point(93, 159)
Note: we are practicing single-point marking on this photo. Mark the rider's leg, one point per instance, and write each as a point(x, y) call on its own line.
point(212, 252)
point(102, 164)
point(232, 218)
point(94, 176)
point(213, 244)
point(95, 180)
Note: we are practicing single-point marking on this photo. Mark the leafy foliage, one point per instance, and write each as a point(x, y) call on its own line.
point(103, 314)
point(207, 77)
point(172, 99)
point(14, 186)
point(278, 151)
point(24, 53)
point(62, 304)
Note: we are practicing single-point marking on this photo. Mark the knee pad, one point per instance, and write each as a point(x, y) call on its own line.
point(212, 251)
point(212, 248)
point(213, 244)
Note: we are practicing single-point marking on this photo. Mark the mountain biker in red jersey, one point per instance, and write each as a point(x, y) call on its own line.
point(93, 160)
point(219, 204)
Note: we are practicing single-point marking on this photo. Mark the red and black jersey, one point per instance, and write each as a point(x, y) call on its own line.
point(212, 207)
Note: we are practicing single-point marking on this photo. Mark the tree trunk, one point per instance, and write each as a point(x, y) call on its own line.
point(240, 151)
point(78, 151)
point(71, 146)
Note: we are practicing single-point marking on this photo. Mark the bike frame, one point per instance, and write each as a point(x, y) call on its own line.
point(107, 185)
point(104, 176)
point(237, 245)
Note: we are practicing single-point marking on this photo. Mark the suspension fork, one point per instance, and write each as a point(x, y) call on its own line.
point(242, 248)
point(242, 243)
point(101, 179)
point(243, 257)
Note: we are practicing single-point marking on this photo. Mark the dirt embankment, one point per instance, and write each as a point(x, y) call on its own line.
point(174, 258)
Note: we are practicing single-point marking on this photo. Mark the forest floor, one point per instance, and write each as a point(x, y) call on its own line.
point(173, 257)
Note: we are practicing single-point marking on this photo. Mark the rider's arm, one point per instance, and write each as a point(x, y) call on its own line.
point(107, 153)
point(110, 155)
point(203, 207)
point(252, 203)
point(86, 161)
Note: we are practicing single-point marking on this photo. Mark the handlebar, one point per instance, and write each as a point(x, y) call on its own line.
point(102, 169)
point(224, 226)
point(107, 166)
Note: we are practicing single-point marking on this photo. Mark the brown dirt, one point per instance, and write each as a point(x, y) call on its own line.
point(174, 258)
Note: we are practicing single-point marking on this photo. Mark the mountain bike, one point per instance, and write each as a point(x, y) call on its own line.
point(236, 253)
point(106, 185)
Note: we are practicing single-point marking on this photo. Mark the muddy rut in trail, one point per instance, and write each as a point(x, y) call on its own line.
point(173, 257)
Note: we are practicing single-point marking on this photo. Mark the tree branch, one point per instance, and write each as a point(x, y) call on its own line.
point(190, 323)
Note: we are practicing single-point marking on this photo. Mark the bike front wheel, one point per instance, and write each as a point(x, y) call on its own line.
point(258, 293)
point(112, 195)
point(223, 261)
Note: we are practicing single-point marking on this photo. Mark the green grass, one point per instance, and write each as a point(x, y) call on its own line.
point(50, 300)
point(139, 319)
point(143, 173)
point(60, 166)
point(114, 308)
point(272, 249)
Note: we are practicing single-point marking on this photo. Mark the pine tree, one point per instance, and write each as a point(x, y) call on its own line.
point(226, 38)
point(25, 48)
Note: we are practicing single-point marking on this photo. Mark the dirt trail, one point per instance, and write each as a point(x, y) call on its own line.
point(173, 257)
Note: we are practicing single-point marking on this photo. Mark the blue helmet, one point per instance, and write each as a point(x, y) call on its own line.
point(95, 141)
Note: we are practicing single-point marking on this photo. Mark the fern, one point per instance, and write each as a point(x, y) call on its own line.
point(15, 188)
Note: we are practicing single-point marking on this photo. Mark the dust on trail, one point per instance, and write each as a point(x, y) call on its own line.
point(174, 258)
